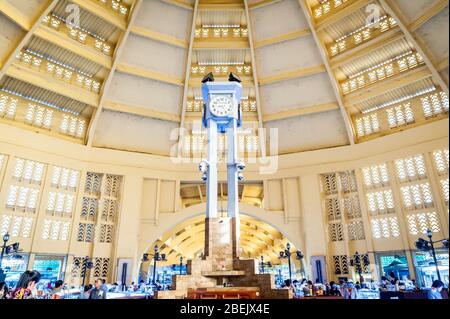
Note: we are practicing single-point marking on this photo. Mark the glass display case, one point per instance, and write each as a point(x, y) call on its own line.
point(426, 268)
point(395, 262)
point(14, 266)
point(368, 294)
point(51, 267)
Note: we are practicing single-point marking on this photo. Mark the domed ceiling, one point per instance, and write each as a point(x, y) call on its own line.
point(125, 74)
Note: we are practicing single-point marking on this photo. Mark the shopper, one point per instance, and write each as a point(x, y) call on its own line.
point(350, 291)
point(56, 292)
point(104, 286)
point(384, 284)
point(334, 290)
point(98, 292)
point(435, 291)
point(26, 286)
point(342, 287)
point(142, 285)
point(4, 291)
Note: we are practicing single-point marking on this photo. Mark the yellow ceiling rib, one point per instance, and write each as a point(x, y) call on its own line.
point(195, 83)
point(185, 4)
point(195, 80)
point(141, 111)
point(324, 55)
point(102, 12)
point(395, 82)
point(261, 3)
point(429, 13)
point(246, 117)
point(393, 130)
point(346, 9)
point(15, 15)
point(221, 43)
point(391, 8)
point(443, 64)
point(52, 84)
point(221, 6)
point(12, 55)
point(74, 46)
point(149, 74)
point(107, 83)
point(300, 111)
point(357, 52)
point(292, 74)
point(52, 132)
point(283, 37)
point(160, 37)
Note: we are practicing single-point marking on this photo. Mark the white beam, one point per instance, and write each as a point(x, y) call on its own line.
point(300, 111)
point(262, 3)
point(160, 37)
point(140, 111)
point(185, 4)
point(428, 14)
point(149, 74)
point(283, 37)
point(292, 74)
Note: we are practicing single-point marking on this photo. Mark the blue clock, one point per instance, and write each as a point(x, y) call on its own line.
point(222, 104)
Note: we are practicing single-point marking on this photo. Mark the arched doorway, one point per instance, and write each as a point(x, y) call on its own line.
point(183, 236)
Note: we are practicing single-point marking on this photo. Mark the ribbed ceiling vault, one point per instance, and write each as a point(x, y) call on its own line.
point(129, 75)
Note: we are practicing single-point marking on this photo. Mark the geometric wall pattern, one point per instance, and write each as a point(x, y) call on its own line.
point(99, 213)
point(356, 230)
point(385, 227)
point(336, 232)
point(341, 265)
point(441, 164)
point(101, 267)
point(419, 223)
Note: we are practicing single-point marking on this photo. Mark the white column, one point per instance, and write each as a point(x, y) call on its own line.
point(211, 183)
point(233, 196)
point(127, 235)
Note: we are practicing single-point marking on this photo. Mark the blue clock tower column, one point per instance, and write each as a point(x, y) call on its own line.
point(222, 116)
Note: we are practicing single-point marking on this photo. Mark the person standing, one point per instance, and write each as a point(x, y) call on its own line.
point(56, 292)
point(98, 292)
point(350, 291)
point(4, 291)
point(26, 286)
point(435, 291)
point(104, 286)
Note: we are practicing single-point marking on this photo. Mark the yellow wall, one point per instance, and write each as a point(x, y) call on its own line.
point(150, 204)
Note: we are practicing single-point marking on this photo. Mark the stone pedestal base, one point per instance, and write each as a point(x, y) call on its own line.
point(221, 265)
point(202, 274)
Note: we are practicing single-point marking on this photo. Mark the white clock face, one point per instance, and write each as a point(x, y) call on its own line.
point(221, 105)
